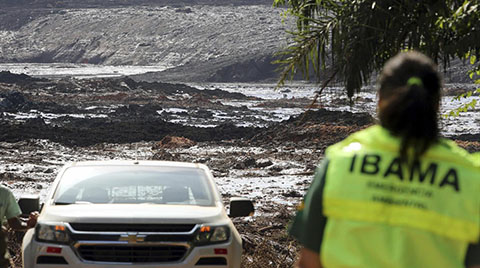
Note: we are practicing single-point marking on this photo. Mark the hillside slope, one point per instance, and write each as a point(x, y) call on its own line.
point(190, 36)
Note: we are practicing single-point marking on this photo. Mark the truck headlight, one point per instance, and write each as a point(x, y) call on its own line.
point(52, 232)
point(212, 235)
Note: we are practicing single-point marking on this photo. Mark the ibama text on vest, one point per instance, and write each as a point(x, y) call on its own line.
point(373, 164)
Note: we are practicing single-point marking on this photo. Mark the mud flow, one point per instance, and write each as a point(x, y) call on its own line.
point(254, 147)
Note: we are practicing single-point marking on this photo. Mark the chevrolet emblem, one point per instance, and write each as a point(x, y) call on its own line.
point(132, 238)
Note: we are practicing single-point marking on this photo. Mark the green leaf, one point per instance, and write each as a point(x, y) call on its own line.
point(474, 103)
point(357, 37)
point(473, 59)
point(467, 55)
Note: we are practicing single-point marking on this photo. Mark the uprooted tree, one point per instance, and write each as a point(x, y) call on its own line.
point(357, 37)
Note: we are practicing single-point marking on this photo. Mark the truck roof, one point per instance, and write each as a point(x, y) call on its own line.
point(138, 163)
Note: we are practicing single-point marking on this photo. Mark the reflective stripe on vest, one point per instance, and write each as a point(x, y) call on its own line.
point(440, 195)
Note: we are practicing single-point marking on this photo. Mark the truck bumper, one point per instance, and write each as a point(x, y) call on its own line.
point(46, 255)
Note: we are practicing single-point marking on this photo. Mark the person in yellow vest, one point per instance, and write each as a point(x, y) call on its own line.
point(395, 194)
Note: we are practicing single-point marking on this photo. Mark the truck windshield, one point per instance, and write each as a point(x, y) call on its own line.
point(134, 185)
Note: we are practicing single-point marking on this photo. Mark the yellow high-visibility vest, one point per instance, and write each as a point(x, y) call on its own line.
point(385, 213)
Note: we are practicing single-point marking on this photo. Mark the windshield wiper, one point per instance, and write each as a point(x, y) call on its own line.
point(63, 203)
point(71, 203)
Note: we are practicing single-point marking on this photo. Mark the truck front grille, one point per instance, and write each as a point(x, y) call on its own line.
point(150, 228)
point(132, 254)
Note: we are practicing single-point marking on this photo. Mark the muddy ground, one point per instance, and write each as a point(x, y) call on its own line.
point(47, 122)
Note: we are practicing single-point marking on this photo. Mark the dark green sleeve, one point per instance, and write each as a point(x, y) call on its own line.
point(309, 223)
point(473, 255)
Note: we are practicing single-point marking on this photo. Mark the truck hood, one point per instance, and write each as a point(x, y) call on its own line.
point(132, 213)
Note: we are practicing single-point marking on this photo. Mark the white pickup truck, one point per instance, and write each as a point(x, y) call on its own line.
point(136, 214)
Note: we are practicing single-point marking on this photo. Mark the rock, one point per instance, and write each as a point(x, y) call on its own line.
point(276, 168)
point(263, 163)
point(49, 171)
point(35, 122)
point(249, 162)
point(11, 78)
point(174, 142)
point(164, 156)
point(239, 165)
point(292, 193)
point(245, 162)
point(184, 10)
point(202, 160)
point(12, 101)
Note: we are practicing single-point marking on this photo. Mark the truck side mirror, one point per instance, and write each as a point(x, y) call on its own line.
point(29, 204)
point(241, 207)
